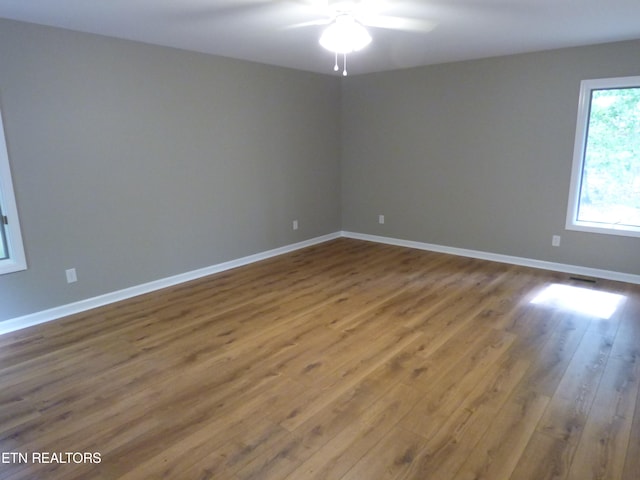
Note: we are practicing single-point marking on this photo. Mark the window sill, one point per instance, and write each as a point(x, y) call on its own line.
point(604, 228)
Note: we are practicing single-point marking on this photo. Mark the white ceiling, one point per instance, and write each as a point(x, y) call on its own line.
point(257, 30)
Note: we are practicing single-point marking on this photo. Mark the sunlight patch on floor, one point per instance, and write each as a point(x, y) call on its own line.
point(578, 299)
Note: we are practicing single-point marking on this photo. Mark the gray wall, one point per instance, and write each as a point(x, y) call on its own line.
point(477, 154)
point(134, 162)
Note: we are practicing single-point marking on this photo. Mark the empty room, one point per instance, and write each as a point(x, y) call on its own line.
point(320, 239)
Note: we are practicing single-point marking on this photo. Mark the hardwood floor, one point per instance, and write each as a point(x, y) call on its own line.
point(346, 360)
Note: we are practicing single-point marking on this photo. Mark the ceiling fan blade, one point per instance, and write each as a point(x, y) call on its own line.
point(203, 12)
point(311, 23)
point(398, 23)
point(235, 8)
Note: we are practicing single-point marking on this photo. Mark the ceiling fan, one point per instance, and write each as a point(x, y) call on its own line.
point(347, 21)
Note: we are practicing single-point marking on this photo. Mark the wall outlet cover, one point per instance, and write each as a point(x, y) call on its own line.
point(72, 277)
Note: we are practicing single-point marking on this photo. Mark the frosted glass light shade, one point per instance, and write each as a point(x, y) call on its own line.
point(345, 35)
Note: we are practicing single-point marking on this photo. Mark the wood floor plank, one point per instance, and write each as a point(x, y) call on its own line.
point(546, 457)
point(211, 456)
point(390, 458)
point(632, 459)
point(602, 448)
point(382, 350)
point(550, 364)
point(334, 458)
point(629, 341)
point(569, 407)
point(347, 359)
point(444, 394)
point(452, 443)
point(498, 451)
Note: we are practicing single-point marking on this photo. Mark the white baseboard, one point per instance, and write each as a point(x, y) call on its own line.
point(101, 300)
point(112, 297)
point(496, 257)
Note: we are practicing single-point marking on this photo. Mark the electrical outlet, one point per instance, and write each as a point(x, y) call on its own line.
point(72, 277)
point(295, 224)
point(381, 219)
point(555, 240)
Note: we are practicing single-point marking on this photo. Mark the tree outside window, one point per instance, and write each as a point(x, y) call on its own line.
point(605, 192)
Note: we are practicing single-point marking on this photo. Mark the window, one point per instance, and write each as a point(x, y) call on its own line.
point(605, 180)
point(12, 257)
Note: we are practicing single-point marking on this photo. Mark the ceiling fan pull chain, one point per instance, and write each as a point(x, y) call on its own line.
point(344, 64)
point(335, 67)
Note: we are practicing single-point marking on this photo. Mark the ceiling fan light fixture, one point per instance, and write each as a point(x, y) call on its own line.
point(345, 35)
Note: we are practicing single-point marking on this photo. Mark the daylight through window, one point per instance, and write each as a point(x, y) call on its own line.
point(605, 185)
point(4, 251)
point(12, 258)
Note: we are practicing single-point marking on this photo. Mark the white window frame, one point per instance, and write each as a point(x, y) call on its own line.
point(582, 124)
point(16, 260)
